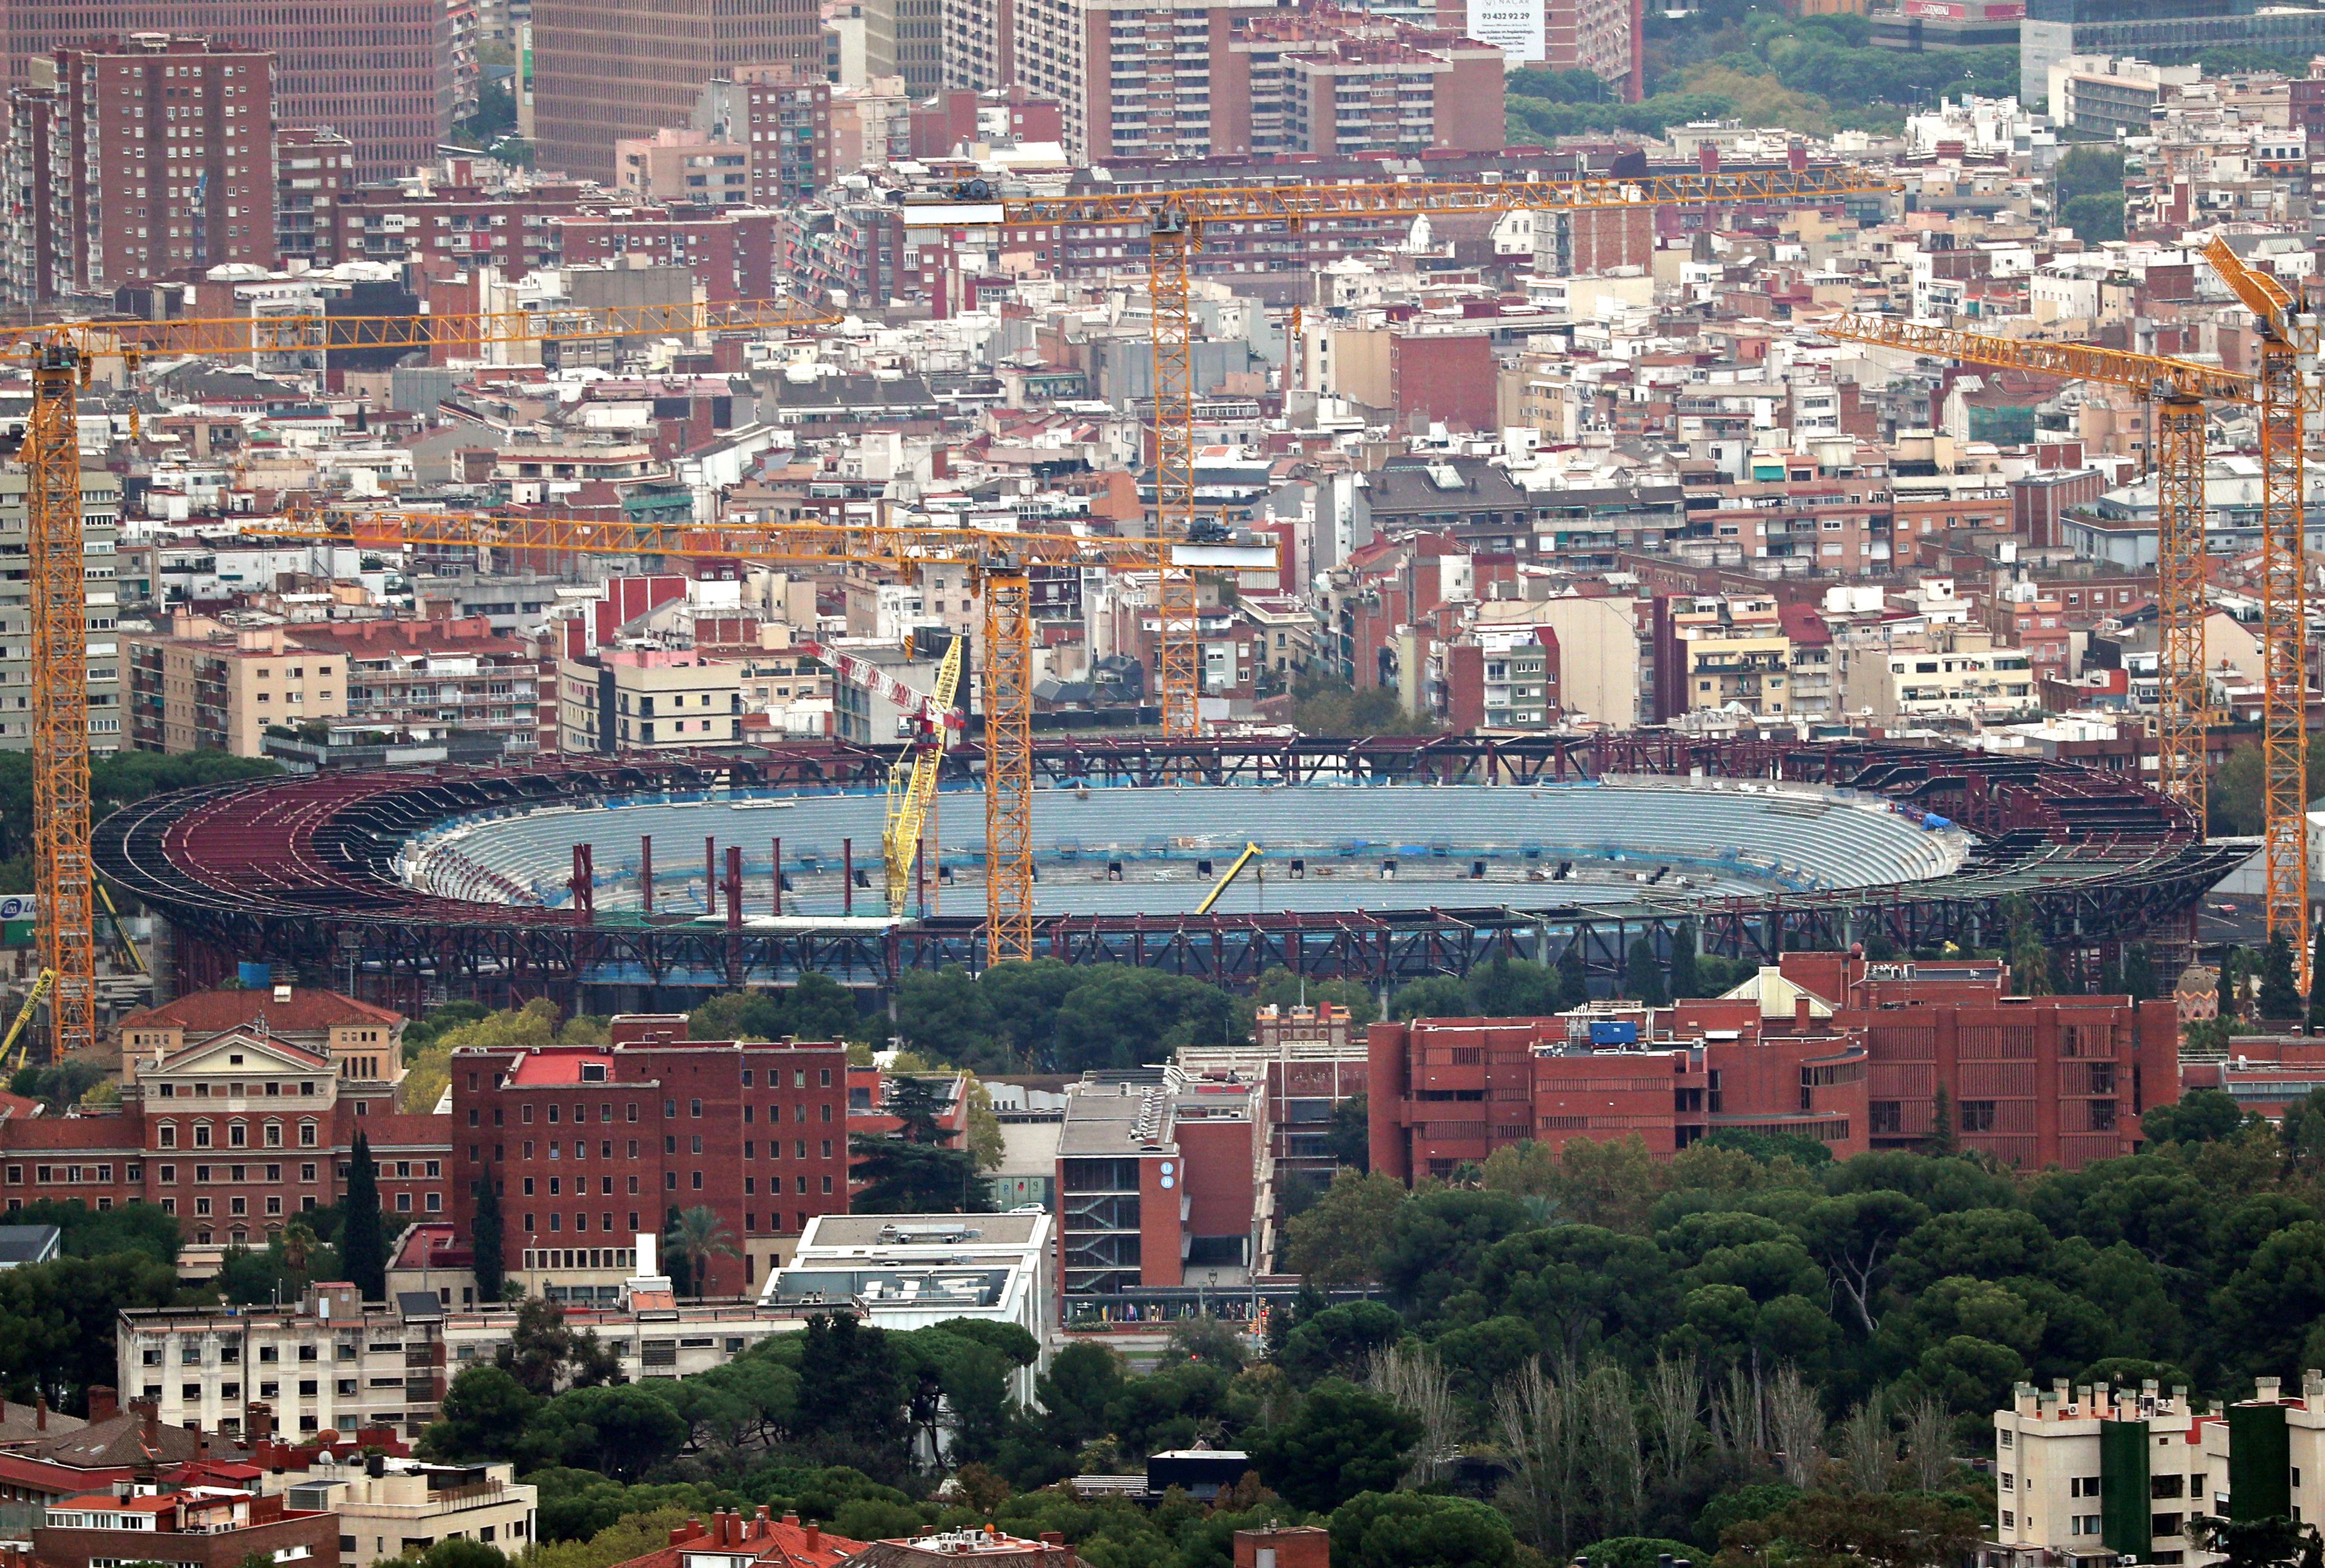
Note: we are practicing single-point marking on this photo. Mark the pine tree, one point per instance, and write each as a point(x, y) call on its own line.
point(1684, 981)
point(363, 1233)
point(2317, 992)
point(1573, 979)
point(2232, 969)
point(2139, 974)
point(485, 1239)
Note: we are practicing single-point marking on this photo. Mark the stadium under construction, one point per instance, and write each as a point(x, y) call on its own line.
point(1386, 859)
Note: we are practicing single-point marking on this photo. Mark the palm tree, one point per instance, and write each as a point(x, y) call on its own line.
point(299, 1240)
point(697, 1236)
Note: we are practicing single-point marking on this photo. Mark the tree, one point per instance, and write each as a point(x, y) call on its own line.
point(2276, 1541)
point(1334, 1242)
point(903, 1177)
point(2234, 798)
point(1407, 1530)
point(538, 1347)
point(2280, 995)
point(1643, 975)
point(1350, 1140)
point(1343, 1441)
point(1825, 1529)
point(698, 1237)
point(621, 1432)
point(2201, 1116)
point(486, 1241)
point(485, 1414)
point(851, 1382)
point(2139, 973)
point(1941, 1140)
point(1573, 978)
point(2030, 957)
point(458, 1553)
point(362, 1232)
point(57, 1320)
point(1685, 982)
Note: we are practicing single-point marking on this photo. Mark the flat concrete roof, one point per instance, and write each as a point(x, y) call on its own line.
point(864, 1229)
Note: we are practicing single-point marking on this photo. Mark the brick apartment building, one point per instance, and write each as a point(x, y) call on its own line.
point(1200, 77)
point(379, 72)
point(142, 156)
point(593, 84)
point(587, 1146)
point(1825, 1046)
point(204, 1528)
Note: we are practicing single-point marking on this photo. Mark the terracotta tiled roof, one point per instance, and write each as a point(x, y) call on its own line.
point(783, 1543)
point(214, 1012)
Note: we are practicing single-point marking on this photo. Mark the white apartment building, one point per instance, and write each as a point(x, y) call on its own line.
point(397, 1508)
point(2094, 1474)
point(333, 1362)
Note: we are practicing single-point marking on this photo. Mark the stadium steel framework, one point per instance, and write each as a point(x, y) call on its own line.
point(301, 871)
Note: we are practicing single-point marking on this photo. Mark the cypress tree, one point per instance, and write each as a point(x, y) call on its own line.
point(1685, 982)
point(363, 1234)
point(485, 1239)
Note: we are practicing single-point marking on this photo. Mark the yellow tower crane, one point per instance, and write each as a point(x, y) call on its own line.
point(2181, 387)
point(913, 790)
point(1000, 561)
point(62, 356)
point(1174, 222)
point(2291, 404)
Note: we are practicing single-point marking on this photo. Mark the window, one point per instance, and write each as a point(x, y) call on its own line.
point(1886, 1116)
point(2009, 1520)
point(1976, 1115)
point(2082, 1485)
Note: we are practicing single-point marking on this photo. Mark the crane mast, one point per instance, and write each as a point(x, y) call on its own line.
point(2183, 387)
point(912, 791)
point(61, 355)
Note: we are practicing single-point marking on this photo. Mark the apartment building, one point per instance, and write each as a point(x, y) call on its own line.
point(594, 84)
point(589, 1146)
point(1824, 1044)
point(1951, 673)
point(1720, 652)
point(434, 675)
point(203, 686)
point(1329, 82)
point(160, 158)
point(314, 175)
point(200, 1527)
point(233, 1135)
point(379, 72)
point(2091, 1472)
point(330, 1362)
point(389, 1507)
point(100, 515)
point(648, 699)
